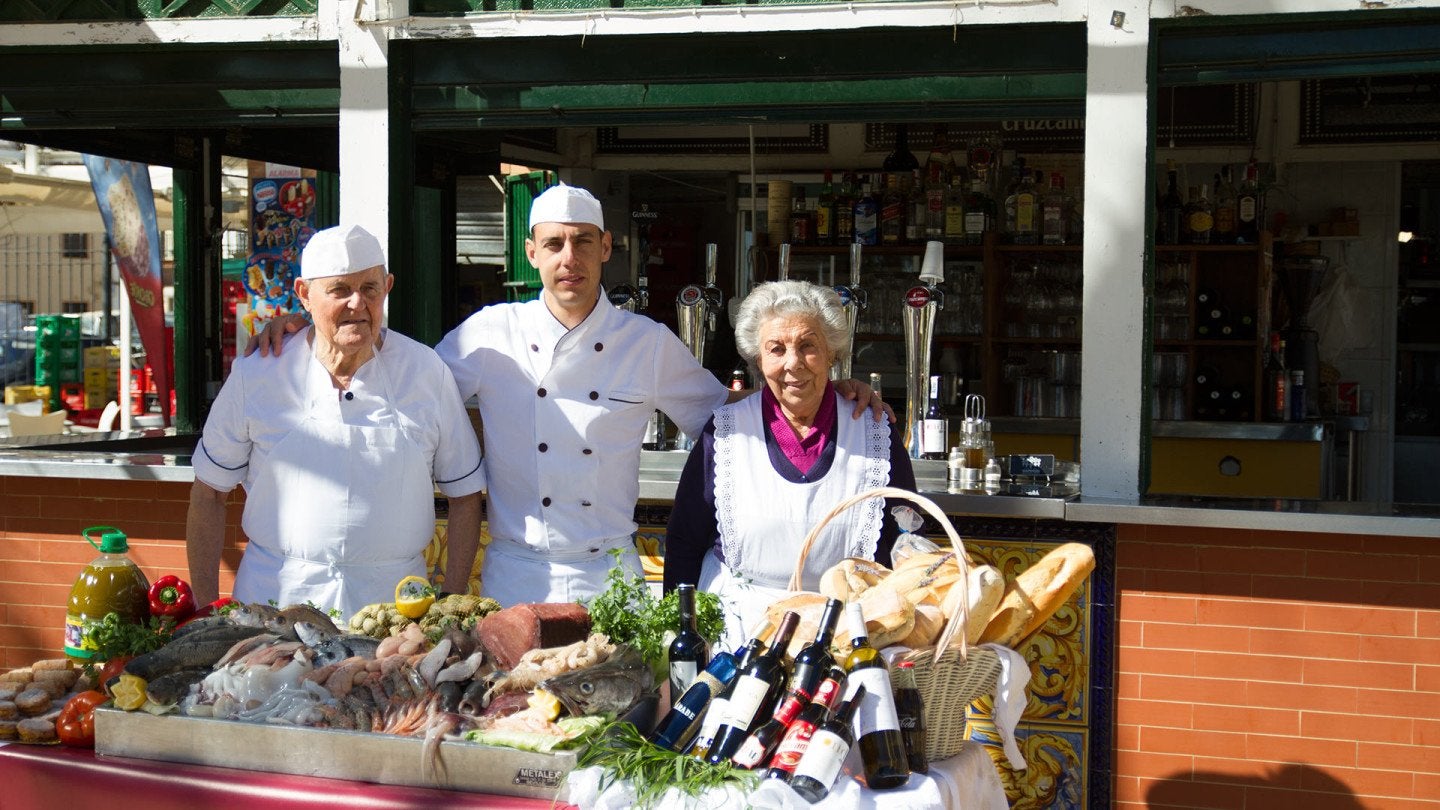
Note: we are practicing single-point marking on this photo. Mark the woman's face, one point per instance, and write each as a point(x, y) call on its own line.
point(795, 362)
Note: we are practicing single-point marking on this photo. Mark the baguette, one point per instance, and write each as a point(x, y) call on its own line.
point(987, 588)
point(851, 577)
point(1038, 592)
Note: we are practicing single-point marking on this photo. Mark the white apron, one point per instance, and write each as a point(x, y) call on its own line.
point(515, 574)
point(341, 512)
point(763, 518)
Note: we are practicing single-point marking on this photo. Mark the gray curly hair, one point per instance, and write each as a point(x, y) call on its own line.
point(791, 299)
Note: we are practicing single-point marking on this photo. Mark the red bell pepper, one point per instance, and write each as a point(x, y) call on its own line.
point(219, 607)
point(75, 725)
point(170, 597)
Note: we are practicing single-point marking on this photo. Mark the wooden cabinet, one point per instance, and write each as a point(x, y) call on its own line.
point(1210, 327)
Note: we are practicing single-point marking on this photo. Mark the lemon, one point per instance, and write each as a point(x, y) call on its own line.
point(129, 692)
point(545, 703)
point(414, 596)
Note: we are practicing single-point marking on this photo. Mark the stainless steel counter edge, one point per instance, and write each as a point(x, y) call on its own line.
point(104, 466)
point(1323, 517)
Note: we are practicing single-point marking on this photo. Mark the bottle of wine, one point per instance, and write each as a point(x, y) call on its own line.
point(688, 651)
point(814, 659)
point(825, 211)
point(797, 737)
point(1172, 209)
point(845, 210)
point(824, 756)
point(882, 748)
point(1224, 208)
point(1248, 213)
point(758, 747)
point(755, 689)
point(719, 709)
point(933, 428)
point(910, 708)
point(901, 159)
point(678, 727)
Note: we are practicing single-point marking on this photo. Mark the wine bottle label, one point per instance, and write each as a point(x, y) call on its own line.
point(823, 758)
point(792, 747)
point(714, 716)
point(750, 753)
point(877, 708)
point(1246, 210)
point(932, 436)
point(682, 674)
point(745, 701)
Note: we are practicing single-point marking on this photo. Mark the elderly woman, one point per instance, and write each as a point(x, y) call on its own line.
point(768, 467)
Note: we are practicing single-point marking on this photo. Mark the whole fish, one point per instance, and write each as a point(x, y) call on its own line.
point(284, 621)
point(253, 614)
point(609, 688)
point(337, 648)
point(168, 690)
point(311, 633)
point(199, 649)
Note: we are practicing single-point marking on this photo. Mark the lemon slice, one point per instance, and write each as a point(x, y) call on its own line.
point(414, 596)
point(129, 692)
point(545, 703)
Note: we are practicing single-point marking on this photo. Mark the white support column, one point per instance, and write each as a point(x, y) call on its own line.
point(1116, 199)
point(364, 109)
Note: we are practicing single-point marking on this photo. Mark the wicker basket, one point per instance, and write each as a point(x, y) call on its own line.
point(948, 678)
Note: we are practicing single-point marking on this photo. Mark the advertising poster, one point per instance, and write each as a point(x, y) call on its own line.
point(282, 220)
point(127, 204)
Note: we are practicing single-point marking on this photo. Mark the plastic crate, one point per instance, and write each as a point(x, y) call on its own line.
point(60, 328)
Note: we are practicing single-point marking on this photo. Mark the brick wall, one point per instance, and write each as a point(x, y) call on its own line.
point(42, 552)
point(1276, 670)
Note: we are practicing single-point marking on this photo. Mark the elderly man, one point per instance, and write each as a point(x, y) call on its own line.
point(340, 447)
point(566, 388)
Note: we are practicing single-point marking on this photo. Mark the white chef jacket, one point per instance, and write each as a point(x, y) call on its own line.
point(564, 414)
point(402, 404)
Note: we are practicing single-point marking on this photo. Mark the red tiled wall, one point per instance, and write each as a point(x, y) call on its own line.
point(42, 552)
point(1277, 670)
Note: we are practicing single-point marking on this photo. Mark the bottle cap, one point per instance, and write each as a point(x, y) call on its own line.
point(114, 543)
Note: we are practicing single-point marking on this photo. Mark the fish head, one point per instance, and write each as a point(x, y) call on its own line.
point(253, 614)
point(608, 688)
point(312, 633)
point(329, 651)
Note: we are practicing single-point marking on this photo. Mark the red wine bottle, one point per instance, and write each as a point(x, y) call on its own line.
point(814, 659)
point(797, 737)
point(758, 747)
point(829, 746)
point(688, 653)
point(754, 691)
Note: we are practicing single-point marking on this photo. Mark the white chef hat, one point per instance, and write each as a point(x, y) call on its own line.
point(564, 203)
point(340, 250)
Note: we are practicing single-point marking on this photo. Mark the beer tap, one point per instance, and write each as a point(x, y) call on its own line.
point(784, 274)
point(624, 296)
point(920, 305)
point(697, 312)
point(854, 299)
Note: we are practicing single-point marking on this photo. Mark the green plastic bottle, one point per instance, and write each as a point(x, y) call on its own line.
point(111, 583)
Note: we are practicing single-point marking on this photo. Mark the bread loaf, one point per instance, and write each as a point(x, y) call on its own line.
point(1038, 592)
point(808, 606)
point(987, 588)
point(929, 623)
point(851, 577)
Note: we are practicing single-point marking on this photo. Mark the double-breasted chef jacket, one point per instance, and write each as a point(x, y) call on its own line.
point(339, 484)
point(563, 415)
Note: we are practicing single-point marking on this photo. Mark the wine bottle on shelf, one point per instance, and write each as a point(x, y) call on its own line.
point(678, 728)
point(933, 428)
point(719, 710)
point(688, 652)
point(1277, 380)
point(814, 659)
point(1206, 377)
point(1248, 210)
point(877, 728)
point(825, 211)
point(1239, 396)
point(901, 159)
point(1224, 207)
point(761, 743)
point(845, 210)
point(797, 737)
point(910, 708)
point(1172, 208)
point(825, 755)
point(755, 690)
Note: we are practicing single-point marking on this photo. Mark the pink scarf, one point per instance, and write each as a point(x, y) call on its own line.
point(803, 453)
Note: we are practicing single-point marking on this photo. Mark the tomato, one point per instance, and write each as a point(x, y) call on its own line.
point(110, 672)
point(75, 724)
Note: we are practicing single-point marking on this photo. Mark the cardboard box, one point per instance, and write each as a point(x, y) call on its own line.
point(103, 357)
point(16, 394)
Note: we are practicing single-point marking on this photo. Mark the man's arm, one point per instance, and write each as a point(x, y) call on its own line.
point(864, 397)
point(462, 538)
point(204, 538)
point(272, 337)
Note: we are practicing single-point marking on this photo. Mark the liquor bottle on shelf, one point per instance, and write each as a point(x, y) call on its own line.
point(892, 211)
point(882, 748)
point(845, 210)
point(825, 211)
point(867, 216)
point(979, 210)
point(824, 756)
point(761, 743)
point(754, 691)
point(1055, 213)
point(1225, 222)
point(1277, 381)
point(1199, 219)
point(955, 213)
point(916, 206)
point(814, 660)
point(688, 651)
point(910, 708)
point(1022, 208)
point(797, 737)
point(940, 156)
point(677, 728)
point(900, 158)
point(935, 193)
point(1172, 209)
point(933, 428)
point(802, 226)
point(1249, 213)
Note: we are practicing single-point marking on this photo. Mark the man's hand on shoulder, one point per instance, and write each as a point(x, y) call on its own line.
point(272, 337)
point(865, 399)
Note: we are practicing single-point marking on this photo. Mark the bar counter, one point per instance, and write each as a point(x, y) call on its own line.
point(161, 455)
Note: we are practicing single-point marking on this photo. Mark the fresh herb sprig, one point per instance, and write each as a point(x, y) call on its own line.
point(628, 612)
point(623, 754)
point(115, 636)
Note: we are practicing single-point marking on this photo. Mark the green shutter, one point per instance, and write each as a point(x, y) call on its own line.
point(521, 280)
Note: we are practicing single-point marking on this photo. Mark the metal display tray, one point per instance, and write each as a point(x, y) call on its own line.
point(332, 753)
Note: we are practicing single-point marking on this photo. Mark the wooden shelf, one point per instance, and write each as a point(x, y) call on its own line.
point(1206, 248)
point(1039, 248)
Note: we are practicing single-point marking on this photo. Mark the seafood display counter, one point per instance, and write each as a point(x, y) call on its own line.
point(59, 776)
